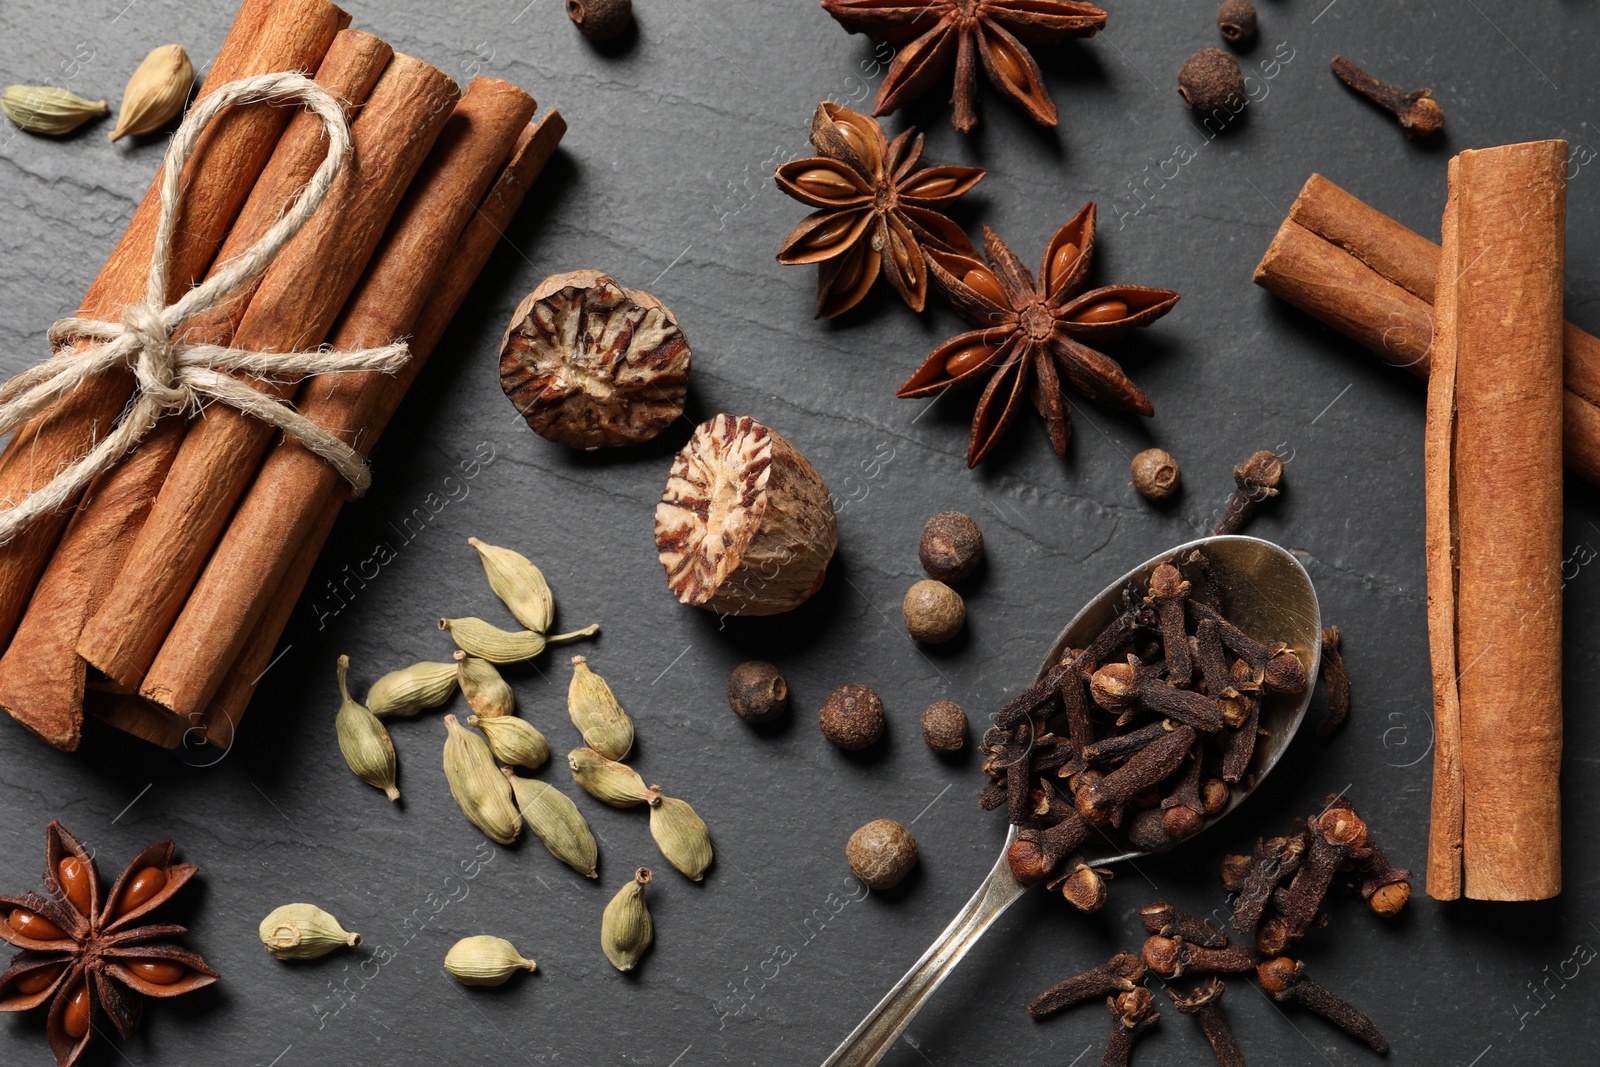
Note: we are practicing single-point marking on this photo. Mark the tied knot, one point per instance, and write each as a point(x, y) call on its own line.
point(154, 358)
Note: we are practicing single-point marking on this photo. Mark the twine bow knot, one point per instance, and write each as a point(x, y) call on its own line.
point(174, 376)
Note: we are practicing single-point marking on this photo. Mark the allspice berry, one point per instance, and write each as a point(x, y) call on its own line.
point(934, 612)
point(944, 726)
point(881, 853)
point(1237, 21)
point(852, 717)
point(757, 692)
point(1210, 81)
point(951, 547)
point(1156, 474)
point(600, 20)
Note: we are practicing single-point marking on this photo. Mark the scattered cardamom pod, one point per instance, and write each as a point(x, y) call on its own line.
point(625, 928)
point(477, 785)
point(156, 92)
point(363, 740)
point(517, 582)
point(605, 727)
point(48, 109)
point(681, 835)
point(485, 960)
point(487, 693)
point(606, 780)
point(304, 932)
point(552, 815)
point(513, 740)
point(413, 689)
point(478, 638)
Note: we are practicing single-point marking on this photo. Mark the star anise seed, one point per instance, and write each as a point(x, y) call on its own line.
point(85, 954)
point(875, 210)
point(936, 35)
point(1033, 334)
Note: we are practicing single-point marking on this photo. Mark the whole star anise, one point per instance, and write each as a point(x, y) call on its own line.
point(86, 953)
point(937, 35)
point(1030, 330)
point(875, 210)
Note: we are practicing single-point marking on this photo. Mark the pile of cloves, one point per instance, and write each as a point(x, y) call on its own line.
point(1160, 717)
point(1278, 895)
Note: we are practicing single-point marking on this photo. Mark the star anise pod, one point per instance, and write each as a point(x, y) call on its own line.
point(936, 35)
point(1030, 330)
point(876, 210)
point(86, 953)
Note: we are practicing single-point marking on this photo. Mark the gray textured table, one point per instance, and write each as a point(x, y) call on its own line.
point(665, 181)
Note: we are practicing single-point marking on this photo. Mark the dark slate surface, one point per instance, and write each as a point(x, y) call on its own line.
point(665, 181)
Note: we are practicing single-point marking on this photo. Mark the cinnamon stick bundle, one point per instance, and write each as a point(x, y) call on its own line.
point(270, 527)
point(1494, 526)
point(295, 305)
point(1355, 269)
point(42, 677)
point(267, 36)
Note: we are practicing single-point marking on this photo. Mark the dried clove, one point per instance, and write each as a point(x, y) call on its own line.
point(1274, 860)
point(1118, 686)
point(1168, 591)
point(1255, 481)
point(1279, 668)
point(1336, 835)
point(1102, 802)
point(1182, 810)
point(1239, 746)
point(1035, 852)
point(1235, 869)
point(1418, 113)
point(1385, 887)
point(1173, 957)
point(1213, 663)
point(1337, 683)
point(1164, 919)
point(1284, 979)
point(1120, 974)
point(1132, 1014)
point(1204, 1005)
point(1119, 745)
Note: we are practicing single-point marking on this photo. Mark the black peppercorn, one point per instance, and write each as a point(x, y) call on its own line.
point(600, 20)
point(934, 612)
point(1237, 21)
point(852, 717)
point(881, 853)
point(944, 726)
point(1210, 81)
point(951, 546)
point(757, 692)
point(1156, 474)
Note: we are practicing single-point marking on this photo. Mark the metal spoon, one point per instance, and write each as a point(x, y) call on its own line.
point(1269, 596)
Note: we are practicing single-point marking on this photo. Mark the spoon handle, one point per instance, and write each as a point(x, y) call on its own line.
point(869, 1041)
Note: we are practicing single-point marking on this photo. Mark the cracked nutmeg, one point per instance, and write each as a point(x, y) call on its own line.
point(1033, 334)
point(937, 36)
point(87, 952)
point(746, 525)
point(591, 365)
point(876, 211)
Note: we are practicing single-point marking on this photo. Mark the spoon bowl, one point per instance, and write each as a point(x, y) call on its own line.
point(1267, 594)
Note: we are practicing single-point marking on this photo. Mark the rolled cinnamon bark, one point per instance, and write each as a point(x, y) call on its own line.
point(1494, 513)
point(294, 485)
point(294, 307)
point(267, 36)
point(41, 674)
point(1372, 279)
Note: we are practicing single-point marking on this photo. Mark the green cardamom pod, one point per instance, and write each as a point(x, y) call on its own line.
point(156, 92)
point(478, 638)
point(552, 815)
point(517, 582)
point(681, 835)
point(605, 727)
point(513, 740)
point(485, 960)
point(487, 693)
point(614, 783)
point(48, 109)
point(477, 785)
point(625, 928)
point(304, 932)
point(363, 740)
point(413, 689)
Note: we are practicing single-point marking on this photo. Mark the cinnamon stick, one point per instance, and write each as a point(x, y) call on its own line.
point(1372, 279)
point(477, 243)
point(1494, 509)
point(267, 36)
point(289, 494)
point(296, 304)
point(41, 675)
